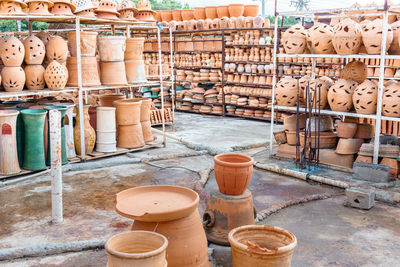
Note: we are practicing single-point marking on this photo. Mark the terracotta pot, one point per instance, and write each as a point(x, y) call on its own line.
point(88, 43)
point(176, 15)
point(34, 77)
point(233, 172)
point(346, 129)
point(39, 8)
point(391, 100)
point(290, 122)
point(134, 48)
point(286, 92)
point(364, 159)
point(355, 70)
point(236, 10)
point(347, 37)
point(12, 52)
point(261, 245)
point(211, 12)
point(56, 76)
point(13, 79)
point(62, 8)
point(135, 71)
point(136, 248)
point(34, 50)
point(88, 13)
point(327, 140)
point(340, 95)
point(187, 14)
point(57, 49)
point(90, 72)
point(69, 130)
point(372, 36)
point(108, 100)
point(8, 141)
point(319, 39)
point(348, 146)
point(395, 47)
point(199, 13)
point(90, 133)
point(280, 137)
point(320, 87)
point(166, 15)
point(365, 131)
point(222, 11)
point(294, 39)
point(128, 111)
point(365, 97)
point(250, 10)
point(111, 48)
point(113, 73)
point(393, 164)
point(12, 7)
point(291, 138)
point(107, 9)
point(106, 131)
point(130, 136)
point(146, 15)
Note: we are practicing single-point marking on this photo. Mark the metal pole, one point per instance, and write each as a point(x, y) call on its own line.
point(56, 169)
point(271, 134)
point(223, 73)
point(172, 79)
point(161, 85)
point(80, 89)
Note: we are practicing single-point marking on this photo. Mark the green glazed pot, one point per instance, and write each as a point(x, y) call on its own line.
point(20, 137)
point(33, 120)
point(63, 110)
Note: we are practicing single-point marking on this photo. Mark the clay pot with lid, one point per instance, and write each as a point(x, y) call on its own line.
point(14, 7)
point(88, 43)
point(57, 49)
point(347, 38)
point(211, 12)
point(199, 13)
point(39, 7)
point(236, 10)
point(89, 68)
point(286, 92)
point(13, 79)
point(107, 9)
point(63, 8)
point(319, 39)
point(56, 76)
point(111, 48)
point(294, 39)
point(340, 95)
point(222, 11)
point(365, 97)
point(12, 52)
point(372, 36)
point(233, 172)
point(391, 100)
point(34, 50)
point(250, 10)
point(35, 77)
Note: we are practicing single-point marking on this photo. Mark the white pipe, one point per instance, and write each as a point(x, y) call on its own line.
point(271, 133)
point(56, 169)
point(161, 85)
point(172, 78)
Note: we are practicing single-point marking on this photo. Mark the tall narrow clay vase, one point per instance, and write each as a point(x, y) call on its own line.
point(34, 157)
point(90, 134)
point(69, 131)
point(64, 158)
point(8, 142)
point(106, 130)
point(20, 137)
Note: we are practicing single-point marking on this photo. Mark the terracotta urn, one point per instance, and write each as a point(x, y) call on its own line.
point(365, 97)
point(8, 141)
point(113, 73)
point(233, 172)
point(236, 10)
point(12, 52)
point(347, 38)
point(346, 129)
point(199, 13)
point(250, 10)
point(355, 70)
point(57, 49)
point(56, 76)
point(222, 11)
point(294, 39)
point(340, 95)
point(111, 48)
point(391, 100)
point(211, 12)
point(372, 36)
point(34, 50)
point(34, 77)
point(107, 9)
point(90, 72)
point(15, 7)
point(319, 39)
point(39, 7)
point(108, 100)
point(394, 48)
point(286, 92)
point(13, 79)
point(88, 43)
point(90, 133)
point(63, 8)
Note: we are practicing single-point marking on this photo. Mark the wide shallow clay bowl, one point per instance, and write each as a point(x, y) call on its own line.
point(326, 140)
point(156, 203)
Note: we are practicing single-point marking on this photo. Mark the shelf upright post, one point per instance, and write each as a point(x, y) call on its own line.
point(271, 134)
point(161, 84)
point(223, 72)
point(171, 59)
point(30, 27)
point(380, 86)
point(80, 88)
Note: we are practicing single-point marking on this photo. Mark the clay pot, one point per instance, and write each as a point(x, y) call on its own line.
point(166, 15)
point(8, 140)
point(346, 129)
point(90, 133)
point(391, 100)
point(88, 43)
point(90, 72)
point(233, 172)
point(130, 136)
point(12, 52)
point(88, 13)
point(355, 70)
point(364, 131)
point(348, 146)
point(222, 11)
point(347, 37)
point(199, 13)
point(394, 48)
point(128, 111)
point(34, 50)
point(177, 15)
point(250, 10)
point(286, 92)
point(57, 49)
point(326, 139)
point(319, 39)
point(146, 15)
point(127, 14)
point(236, 10)
point(280, 137)
point(365, 97)
point(187, 14)
point(211, 12)
point(291, 138)
point(13, 79)
point(372, 36)
point(320, 87)
point(136, 248)
point(111, 48)
point(289, 122)
point(56, 76)
point(364, 159)
point(294, 39)
point(134, 48)
point(107, 9)
point(63, 8)
point(39, 7)
point(12, 7)
point(340, 95)
point(113, 73)
point(393, 165)
point(261, 245)
point(106, 140)
point(108, 100)
point(135, 71)
point(34, 77)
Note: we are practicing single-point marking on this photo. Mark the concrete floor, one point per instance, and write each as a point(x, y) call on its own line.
point(328, 233)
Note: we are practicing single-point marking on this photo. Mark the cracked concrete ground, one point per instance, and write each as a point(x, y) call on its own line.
point(328, 233)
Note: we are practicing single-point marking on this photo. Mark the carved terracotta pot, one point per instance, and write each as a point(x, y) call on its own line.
point(57, 49)
point(56, 76)
point(347, 37)
point(340, 95)
point(294, 39)
point(107, 9)
point(354, 70)
point(34, 50)
point(15, 7)
point(13, 79)
point(372, 36)
point(319, 87)
point(34, 77)
point(63, 8)
point(113, 73)
point(365, 97)
point(134, 48)
point(8, 141)
point(90, 71)
point(394, 48)
point(88, 43)
point(319, 39)
point(286, 92)
point(39, 7)
point(90, 133)
point(146, 15)
point(12, 52)
point(391, 101)
point(111, 48)
point(236, 10)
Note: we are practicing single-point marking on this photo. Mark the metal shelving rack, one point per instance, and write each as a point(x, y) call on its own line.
point(383, 11)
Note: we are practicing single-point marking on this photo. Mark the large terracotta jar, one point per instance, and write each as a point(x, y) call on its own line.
point(88, 43)
point(372, 36)
point(34, 50)
point(236, 10)
point(90, 133)
point(294, 39)
point(340, 95)
point(57, 49)
point(365, 97)
point(90, 72)
point(130, 136)
point(113, 73)
point(347, 38)
point(13, 79)
point(134, 63)
point(111, 48)
point(39, 7)
point(12, 52)
point(286, 92)
point(391, 100)
point(64, 158)
point(233, 172)
point(34, 157)
point(106, 130)
point(56, 76)
point(136, 248)
point(394, 48)
point(8, 142)
point(171, 211)
point(319, 39)
point(108, 100)
point(34, 77)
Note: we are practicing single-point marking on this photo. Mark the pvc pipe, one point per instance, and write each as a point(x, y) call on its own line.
point(56, 169)
point(161, 84)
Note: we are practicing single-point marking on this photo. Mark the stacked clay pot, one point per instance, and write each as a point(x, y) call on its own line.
point(127, 10)
point(145, 110)
point(365, 97)
point(372, 36)
point(340, 95)
point(130, 134)
point(294, 39)
point(145, 13)
point(63, 8)
point(319, 39)
point(39, 7)
point(89, 66)
point(34, 56)
point(134, 63)
point(56, 74)
point(12, 7)
point(286, 92)
point(12, 54)
point(347, 38)
point(391, 100)
point(112, 66)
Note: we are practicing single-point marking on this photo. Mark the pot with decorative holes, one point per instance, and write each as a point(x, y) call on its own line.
point(13, 79)
point(286, 92)
point(63, 8)
point(34, 50)
point(56, 76)
point(127, 10)
point(372, 36)
point(39, 7)
point(340, 95)
point(347, 38)
point(34, 77)
point(145, 13)
point(319, 91)
point(12, 52)
point(365, 97)
point(319, 39)
point(394, 48)
point(57, 49)
point(13, 7)
point(391, 100)
point(294, 39)
point(107, 9)
point(355, 70)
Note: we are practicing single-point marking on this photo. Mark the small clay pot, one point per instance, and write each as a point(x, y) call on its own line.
point(372, 36)
point(236, 10)
point(319, 39)
point(56, 76)
point(291, 138)
point(108, 100)
point(57, 49)
point(13, 79)
point(34, 50)
point(222, 11)
point(35, 77)
point(347, 37)
point(251, 11)
point(365, 97)
point(12, 52)
point(16, 7)
point(364, 131)
point(199, 13)
point(348, 146)
point(346, 129)
point(63, 8)
point(294, 39)
point(286, 92)
point(393, 165)
point(211, 12)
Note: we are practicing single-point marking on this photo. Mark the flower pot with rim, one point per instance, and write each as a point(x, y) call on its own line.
point(64, 159)
point(8, 142)
point(236, 10)
point(108, 100)
point(250, 10)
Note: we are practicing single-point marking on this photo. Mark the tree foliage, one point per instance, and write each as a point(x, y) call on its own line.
point(287, 21)
point(11, 25)
point(300, 5)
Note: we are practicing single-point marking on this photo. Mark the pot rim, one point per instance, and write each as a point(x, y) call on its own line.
point(136, 255)
point(73, 33)
point(8, 112)
point(236, 4)
point(218, 160)
point(128, 101)
point(280, 250)
point(323, 135)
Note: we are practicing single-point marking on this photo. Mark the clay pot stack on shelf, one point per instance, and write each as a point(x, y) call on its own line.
point(12, 7)
point(134, 63)
point(348, 144)
point(34, 56)
point(86, 8)
point(39, 7)
point(145, 13)
point(63, 8)
point(56, 74)
point(127, 10)
point(12, 54)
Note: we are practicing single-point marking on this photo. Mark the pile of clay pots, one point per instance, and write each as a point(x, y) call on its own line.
point(263, 54)
point(152, 67)
point(248, 73)
point(199, 59)
point(251, 37)
point(248, 91)
point(201, 76)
